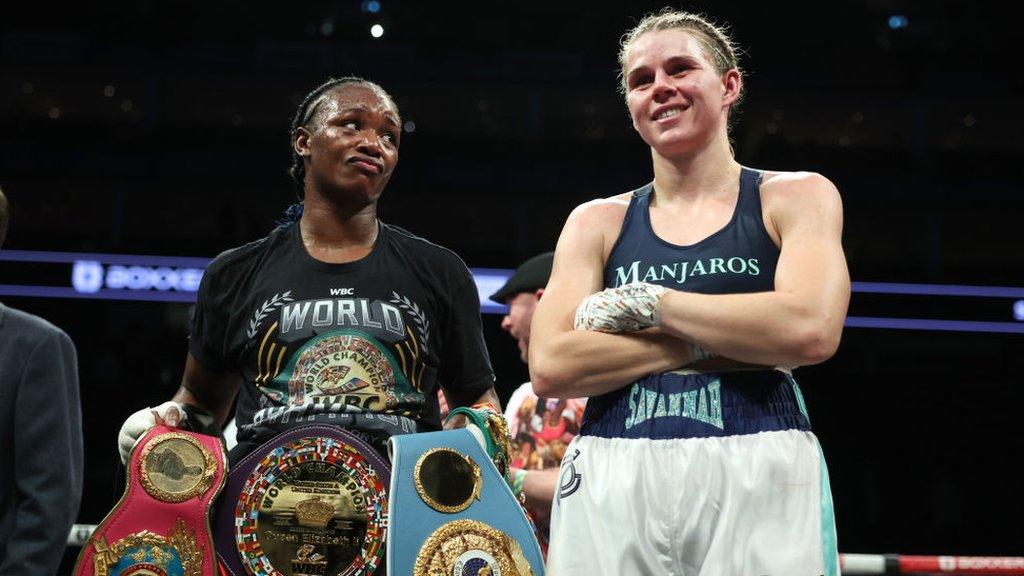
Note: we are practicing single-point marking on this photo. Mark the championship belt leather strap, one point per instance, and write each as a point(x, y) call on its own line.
point(453, 512)
point(311, 501)
point(160, 527)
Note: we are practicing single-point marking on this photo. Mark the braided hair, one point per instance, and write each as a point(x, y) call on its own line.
point(715, 40)
point(718, 45)
point(304, 116)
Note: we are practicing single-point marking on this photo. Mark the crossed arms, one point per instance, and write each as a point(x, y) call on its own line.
point(797, 323)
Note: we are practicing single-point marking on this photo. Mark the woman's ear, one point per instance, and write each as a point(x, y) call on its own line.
point(732, 81)
point(301, 142)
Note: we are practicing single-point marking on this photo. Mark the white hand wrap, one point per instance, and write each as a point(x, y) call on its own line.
point(136, 426)
point(627, 308)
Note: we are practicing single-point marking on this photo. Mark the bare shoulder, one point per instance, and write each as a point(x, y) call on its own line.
point(600, 219)
point(799, 187)
point(601, 210)
point(786, 196)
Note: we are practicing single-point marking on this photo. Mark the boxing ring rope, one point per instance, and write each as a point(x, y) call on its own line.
point(851, 564)
point(901, 564)
point(80, 534)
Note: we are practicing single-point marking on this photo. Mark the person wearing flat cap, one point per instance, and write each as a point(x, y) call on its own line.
point(541, 428)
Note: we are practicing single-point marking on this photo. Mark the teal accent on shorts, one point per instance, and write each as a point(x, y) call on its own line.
point(800, 399)
point(829, 539)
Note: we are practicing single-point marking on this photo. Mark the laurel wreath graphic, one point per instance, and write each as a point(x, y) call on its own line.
point(422, 324)
point(276, 301)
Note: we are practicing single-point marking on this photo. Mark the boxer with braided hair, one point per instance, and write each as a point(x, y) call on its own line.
point(312, 105)
point(335, 317)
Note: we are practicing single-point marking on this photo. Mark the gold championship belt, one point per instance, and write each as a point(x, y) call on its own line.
point(313, 501)
point(160, 527)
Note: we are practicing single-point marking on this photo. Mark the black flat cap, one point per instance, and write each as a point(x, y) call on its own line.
point(531, 275)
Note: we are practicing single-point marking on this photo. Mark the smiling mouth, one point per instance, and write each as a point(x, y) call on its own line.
point(668, 113)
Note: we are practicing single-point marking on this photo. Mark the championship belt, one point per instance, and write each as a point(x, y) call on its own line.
point(312, 501)
point(160, 527)
point(458, 516)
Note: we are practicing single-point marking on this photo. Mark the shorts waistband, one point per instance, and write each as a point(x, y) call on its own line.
point(675, 405)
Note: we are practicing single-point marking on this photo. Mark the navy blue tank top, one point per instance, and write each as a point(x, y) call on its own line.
point(740, 257)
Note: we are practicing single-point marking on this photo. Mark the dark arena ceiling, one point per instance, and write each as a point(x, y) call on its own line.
point(161, 128)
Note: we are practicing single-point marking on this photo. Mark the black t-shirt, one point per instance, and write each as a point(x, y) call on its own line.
point(363, 345)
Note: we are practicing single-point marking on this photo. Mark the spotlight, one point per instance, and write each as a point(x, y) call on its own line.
point(371, 6)
point(376, 30)
point(1018, 310)
point(898, 21)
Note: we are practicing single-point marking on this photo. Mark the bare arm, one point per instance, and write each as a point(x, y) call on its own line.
point(567, 363)
point(800, 322)
point(213, 392)
point(459, 420)
point(539, 487)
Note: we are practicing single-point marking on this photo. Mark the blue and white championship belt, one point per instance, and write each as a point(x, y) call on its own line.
point(452, 512)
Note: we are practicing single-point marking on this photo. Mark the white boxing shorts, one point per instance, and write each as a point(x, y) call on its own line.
point(731, 502)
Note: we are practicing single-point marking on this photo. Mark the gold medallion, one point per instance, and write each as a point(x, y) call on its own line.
point(312, 507)
point(313, 517)
point(175, 467)
point(470, 548)
point(447, 480)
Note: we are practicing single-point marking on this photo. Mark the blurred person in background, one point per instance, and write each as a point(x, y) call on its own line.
point(541, 428)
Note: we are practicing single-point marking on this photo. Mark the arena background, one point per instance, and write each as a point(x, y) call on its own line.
point(161, 128)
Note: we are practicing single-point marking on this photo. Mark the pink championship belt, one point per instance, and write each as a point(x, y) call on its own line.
point(161, 527)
